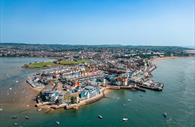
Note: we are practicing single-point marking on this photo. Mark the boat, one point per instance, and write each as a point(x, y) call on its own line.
point(57, 122)
point(140, 89)
point(14, 117)
point(15, 124)
point(129, 100)
point(156, 86)
point(125, 119)
point(27, 117)
point(165, 115)
point(100, 116)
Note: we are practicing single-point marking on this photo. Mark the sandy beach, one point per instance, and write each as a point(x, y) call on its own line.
point(22, 97)
point(168, 57)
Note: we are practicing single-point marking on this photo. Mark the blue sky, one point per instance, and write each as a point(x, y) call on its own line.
point(127, 22)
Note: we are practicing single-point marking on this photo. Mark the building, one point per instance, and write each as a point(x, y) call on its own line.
point(88, 92)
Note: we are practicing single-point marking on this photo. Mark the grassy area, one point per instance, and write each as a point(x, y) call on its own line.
point(52, 64)
point(40, 64)
point(68, 62)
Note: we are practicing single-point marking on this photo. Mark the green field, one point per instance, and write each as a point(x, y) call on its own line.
point(68, 62)
point(40, 65)
point(54, 63)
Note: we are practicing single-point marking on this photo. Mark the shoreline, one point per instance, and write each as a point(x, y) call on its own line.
point(29, 103)
point(105, 91)
point(115, 100)
point(94, 99)
point(22, 97)
point(168, 57)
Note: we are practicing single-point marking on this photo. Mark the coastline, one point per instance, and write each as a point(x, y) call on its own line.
point(168, 57)
point(105, 91)
point(133, 107)
point(22, 97)
point(28, 93)
point(47, 107)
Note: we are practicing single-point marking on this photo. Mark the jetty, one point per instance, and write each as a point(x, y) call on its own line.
point(156, 86)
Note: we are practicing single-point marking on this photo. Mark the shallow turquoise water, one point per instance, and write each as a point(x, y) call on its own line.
point(143, 109)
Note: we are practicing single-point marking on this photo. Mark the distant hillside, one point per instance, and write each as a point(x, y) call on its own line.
point(61, 47)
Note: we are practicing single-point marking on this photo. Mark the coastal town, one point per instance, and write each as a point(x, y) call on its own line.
point(97, 63)
point(88, 51)
point(72, 83)
point(76, 75)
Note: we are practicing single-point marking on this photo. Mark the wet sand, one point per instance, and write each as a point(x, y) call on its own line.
point(163, 58)
point(19, 97)
point(168, 57)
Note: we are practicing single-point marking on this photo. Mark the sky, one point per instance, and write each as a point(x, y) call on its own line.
point(95, 22)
